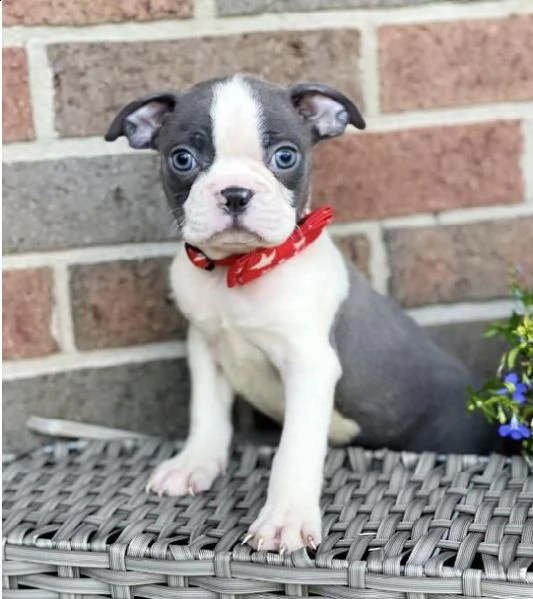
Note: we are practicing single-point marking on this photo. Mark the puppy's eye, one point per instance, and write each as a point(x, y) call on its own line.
point(284, 158)
point(182, 161)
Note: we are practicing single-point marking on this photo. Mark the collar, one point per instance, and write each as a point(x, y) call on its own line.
point(243, 268)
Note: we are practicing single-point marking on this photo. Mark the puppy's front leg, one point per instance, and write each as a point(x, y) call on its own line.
point(205, 453)
point(291, 516)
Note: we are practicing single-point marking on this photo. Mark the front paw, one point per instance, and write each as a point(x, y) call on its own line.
point(286, 526)
point(190, 472)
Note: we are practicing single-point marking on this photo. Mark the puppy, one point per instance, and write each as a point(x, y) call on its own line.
point(276, 314)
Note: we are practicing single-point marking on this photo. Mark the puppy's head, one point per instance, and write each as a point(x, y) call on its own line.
point(236, 154)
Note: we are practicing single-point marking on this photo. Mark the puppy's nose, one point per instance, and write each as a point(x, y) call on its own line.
point(236, 198)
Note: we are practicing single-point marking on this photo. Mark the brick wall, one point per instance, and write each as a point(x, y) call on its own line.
point(434, 201)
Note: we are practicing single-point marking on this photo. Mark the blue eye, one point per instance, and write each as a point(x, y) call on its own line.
point(182, 161)
point(284, 158)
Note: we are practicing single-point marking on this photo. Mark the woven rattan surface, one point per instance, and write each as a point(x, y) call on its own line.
point(77, 523)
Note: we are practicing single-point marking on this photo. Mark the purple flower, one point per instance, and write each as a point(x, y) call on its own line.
point(515, 430)
point(517, 389)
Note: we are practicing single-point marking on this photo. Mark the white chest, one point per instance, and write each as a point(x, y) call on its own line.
point(253, 327)
point(248, 370)
point(234, 324)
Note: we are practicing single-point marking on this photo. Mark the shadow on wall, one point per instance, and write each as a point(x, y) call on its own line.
point(466, 341)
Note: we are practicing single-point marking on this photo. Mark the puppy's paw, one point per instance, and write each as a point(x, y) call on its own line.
point(285, 527)
point(190, 472)
point(342, 430)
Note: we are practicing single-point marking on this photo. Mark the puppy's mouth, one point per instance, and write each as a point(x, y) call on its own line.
point(236, 238)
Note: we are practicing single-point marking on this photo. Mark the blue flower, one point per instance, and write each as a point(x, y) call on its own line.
point(515, 430)
point(517, 389)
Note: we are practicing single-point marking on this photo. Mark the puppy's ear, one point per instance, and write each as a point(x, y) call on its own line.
point(327, 110)
point(141, 120)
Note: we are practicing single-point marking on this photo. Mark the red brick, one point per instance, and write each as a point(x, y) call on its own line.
point(86, 103)
point(17, 121)
point(89, 12)
point(356, 248)
point(463, 62)
point(27, 305)
point(122, 303)
point(458, 263)
point(377, 175)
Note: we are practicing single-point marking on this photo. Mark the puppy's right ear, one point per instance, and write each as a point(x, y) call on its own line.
point(141, 120)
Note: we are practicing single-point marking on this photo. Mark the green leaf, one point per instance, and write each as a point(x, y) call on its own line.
point(515, 320)
point(511, 357)
point(491, 332)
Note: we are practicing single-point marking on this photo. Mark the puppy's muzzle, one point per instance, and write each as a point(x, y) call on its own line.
point(236, 199)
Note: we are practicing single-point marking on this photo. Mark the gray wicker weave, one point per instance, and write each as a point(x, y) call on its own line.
point(78, 524)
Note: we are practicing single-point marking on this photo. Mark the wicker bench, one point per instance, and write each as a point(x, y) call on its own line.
point(77, 523)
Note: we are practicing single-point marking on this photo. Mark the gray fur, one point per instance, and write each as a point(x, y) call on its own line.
point(403, 390)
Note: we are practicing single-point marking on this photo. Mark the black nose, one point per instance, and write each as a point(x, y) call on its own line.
point(236, 198)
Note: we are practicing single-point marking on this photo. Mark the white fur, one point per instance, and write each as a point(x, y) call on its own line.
point(205, 454)
point(236, 117)
point(237, 126)
point(271, 341)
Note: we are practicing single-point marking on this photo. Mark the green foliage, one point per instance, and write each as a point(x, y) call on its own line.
point(507, 398)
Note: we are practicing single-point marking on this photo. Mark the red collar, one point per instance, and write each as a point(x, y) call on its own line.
point(243, 268)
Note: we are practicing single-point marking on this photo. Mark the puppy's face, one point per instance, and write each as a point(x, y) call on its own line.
point(235, 155)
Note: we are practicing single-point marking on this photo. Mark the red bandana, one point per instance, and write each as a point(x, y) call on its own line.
point(243, 268)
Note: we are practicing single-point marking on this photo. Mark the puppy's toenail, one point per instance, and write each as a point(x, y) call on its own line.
point(311, 542)
point(248, 537)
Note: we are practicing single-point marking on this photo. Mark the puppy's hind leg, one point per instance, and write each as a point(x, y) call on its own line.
point(342, 430)
point(267, 397)
point(205, 453)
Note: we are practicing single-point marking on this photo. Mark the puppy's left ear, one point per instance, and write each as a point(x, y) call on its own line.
point(327, 110)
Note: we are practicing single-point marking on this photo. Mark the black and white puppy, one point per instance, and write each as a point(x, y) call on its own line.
point(310, 343)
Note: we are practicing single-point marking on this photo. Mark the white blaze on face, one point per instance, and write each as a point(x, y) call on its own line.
point(269, 218)
point(236, 118)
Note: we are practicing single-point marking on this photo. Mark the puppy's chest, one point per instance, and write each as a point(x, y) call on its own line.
point(250, 328)
point(236, 330)
point(237, 351)
point(244, 364)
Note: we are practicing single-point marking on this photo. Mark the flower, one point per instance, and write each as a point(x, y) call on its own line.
point(515, 430)
point(517, 389)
